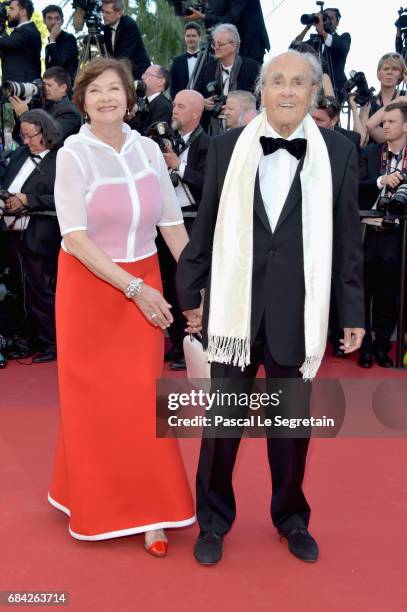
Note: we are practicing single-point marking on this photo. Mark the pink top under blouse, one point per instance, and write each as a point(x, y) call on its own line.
point(118, 198)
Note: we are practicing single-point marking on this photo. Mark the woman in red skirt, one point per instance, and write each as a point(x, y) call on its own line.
point(112, 476)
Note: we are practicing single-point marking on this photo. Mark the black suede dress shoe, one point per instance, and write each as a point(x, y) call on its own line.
point(383, 360)
point(301, 544)
point(45, 356)
point(365, 360)
point(208, 548)
point(338, 352)
point(178, 365)
point(173, 354)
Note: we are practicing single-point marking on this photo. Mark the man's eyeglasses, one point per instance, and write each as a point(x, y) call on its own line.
point(326, 103)
point(28, 137)
point(156, 76)
point(216, 45)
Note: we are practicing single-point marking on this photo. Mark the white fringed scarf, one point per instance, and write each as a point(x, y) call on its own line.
point(232, 260)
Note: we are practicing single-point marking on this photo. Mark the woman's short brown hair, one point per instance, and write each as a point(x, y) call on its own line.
point(95, 68)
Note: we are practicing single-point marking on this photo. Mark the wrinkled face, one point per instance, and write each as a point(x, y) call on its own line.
point(224, 46)
point(389, 75)
point(394, 127)
point(53, 91)
point(287, 92)
point(232, 112)
point(192, 40)
point(155, 83)
point(110, 16)
point(322, 118)
point(183, 112)
point(32, 137)
point(14, 14)
point(105, 99)
point(51, 19)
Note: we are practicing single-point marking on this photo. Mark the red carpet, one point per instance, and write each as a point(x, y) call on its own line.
point(357, 488)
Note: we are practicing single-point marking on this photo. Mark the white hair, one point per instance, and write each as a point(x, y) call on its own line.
point(314, 66)
point(230, 29)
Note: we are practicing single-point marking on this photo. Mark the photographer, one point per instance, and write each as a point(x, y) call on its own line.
point(381, 168)
point(62, 49)
point(33, 241)
point(56, 84)
point(183, 65)
point(227, 72)
point(123, 38)
point(390, 72)
point(246, 15)
point(240, 108)
point(21, 51)
point(186, 166)
point(335, 47)
point(156, 107)
point(326, 114)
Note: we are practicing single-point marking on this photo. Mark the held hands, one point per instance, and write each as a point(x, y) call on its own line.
point(352, 339)
point(194, 320)
point(19, 106)
point(154, 307)
point(392, 180)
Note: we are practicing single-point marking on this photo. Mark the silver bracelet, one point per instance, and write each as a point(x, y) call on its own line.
point(133, 288)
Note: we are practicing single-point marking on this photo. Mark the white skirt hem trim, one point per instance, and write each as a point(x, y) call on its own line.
point(122, 532)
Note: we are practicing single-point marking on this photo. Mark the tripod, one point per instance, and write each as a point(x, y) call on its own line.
point(94, 39)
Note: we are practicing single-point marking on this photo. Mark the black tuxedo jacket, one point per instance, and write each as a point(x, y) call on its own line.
point(195, 168)
point(278, 290)
point(66, 115)
point(247, 16)
point(42, 235)
point(63, 52)
point(21, 54)
point(336, 54)
point(369, 169)
point(128, 43)
point(179, 74)
point(351, 135)
point(160, 109)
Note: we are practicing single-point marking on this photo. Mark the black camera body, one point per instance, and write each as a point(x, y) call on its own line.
point(183, 8)
point(358, 80)
point(214, 89)
point(164, 136)
point(394, 203)
point(142, 102)
point(24, 91)
point(401, 22)
point(92, 10)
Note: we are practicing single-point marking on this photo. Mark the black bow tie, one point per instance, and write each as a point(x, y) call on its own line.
point(296, 147)
point(192, 54)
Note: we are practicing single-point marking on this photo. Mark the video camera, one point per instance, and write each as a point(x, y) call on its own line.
point(214, 89)
point(164, 136)
point(25, 91)
point(89, 12)
point(358, 80)
point(183, 8)
point(393, 203)
point(312, 19)
point(401, 22)
point(4, 15)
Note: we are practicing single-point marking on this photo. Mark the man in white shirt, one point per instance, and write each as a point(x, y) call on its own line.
point(183, 65)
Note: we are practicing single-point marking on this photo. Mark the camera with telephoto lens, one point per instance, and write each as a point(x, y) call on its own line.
point(24, 91)
point(4, 15)
point(393, 203)
point(89, 12)
point(164, 136)
point(183, 8)
point(141, 99)
point(401, 22)
point(358, 80)
point(214, 89)
point(312, 19)
point(4, 195)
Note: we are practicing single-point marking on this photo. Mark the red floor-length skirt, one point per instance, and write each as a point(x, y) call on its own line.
point(112, 476)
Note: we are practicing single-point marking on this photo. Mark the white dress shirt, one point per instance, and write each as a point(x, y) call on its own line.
point(184, 195)
point(25, 171)
point(276, 173)
point(191, 61)
point(226, 72)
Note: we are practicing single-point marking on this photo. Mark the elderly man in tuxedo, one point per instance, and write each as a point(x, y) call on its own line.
point(267, 273)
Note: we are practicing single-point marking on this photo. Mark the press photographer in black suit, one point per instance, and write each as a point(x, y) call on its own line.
point(21, 51)
point(380, 167)
point(229, 70)
point(186, 167)
point(183, 65)
point(62, 48)
point(335, 46)
point(33, 241)
point(159, 107)
point(123, 38)
point(247, 16)
point(56, 83)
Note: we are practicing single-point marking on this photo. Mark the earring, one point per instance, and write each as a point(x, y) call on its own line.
point(86, 117)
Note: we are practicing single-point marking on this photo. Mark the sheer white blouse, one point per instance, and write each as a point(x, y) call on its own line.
point(118, 198)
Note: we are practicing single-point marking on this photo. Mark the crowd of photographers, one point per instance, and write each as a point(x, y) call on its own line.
point(208, 89)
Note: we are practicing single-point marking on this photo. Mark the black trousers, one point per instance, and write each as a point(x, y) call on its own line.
point(381, 281)
point(37, 291)
point(216, 506)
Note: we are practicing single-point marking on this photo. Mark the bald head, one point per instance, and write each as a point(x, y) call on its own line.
point(187, 110)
